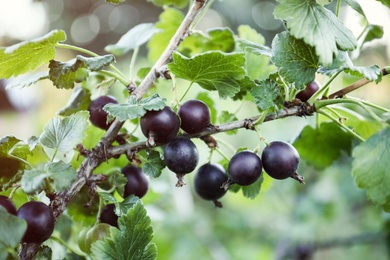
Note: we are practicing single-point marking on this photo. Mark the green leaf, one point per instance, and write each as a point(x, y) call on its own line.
point(317, 26)
point(12, 230)
point(115, 2)
point(370, 168)
point(79, 100)
point(33, 180)
point(133, 109)
point(65, 133)
point(344, 63)
point(153, 164)
point(65, 74)
point(169, 22)
point(266, 94)
point(22, 82)
point(9, 164)
point(29, 55)
point(373, 32)
point(131, 40)
point(117, 180)
point(385, 2)
point(320, 147)
point(131, 241)
point(251, 191)
point(216, 39)
point(356, 6)
point(177, 3)
point(213, 70)
point(226, 117)
point(295, 59)
point(126, 204)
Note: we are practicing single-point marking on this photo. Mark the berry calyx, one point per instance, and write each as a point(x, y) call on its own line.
point(194, 115)
point(108, 216)
point(40, 221)
point(281, 160)
point(245, 168)
point(7, 204)
point(309, 91)
point(97, 115)
point(181, 156)
point(160, 126)
point(137, 181)
point(208, 182)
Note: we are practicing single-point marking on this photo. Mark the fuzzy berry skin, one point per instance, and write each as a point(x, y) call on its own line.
point(280, 160)
point(245, 168)
point(97, 115)
point(7, 204)
point(208, 181)
point(137, 182)
point(40, 221)
point(194, 115)
point(161, 126)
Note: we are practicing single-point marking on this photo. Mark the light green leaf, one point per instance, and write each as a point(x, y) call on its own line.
point(33, 180)
point(9, 164)
point(61, 175)
point(65, 133)
point(131, 40)
point(251, 191)
point(373, 32)
point(370, 168)
point(133, 109)
point(177, 3)
point(12, 230)
point(295, 59)
point(344, 63)
point(153, 164)
point(25, 81)
point(79, 100)
point(330, 141)
point(131, 241)
point(356, 6)
point(213, 70)
point(65, 74)
point(266, 94)
point(117, 180)
point(317, 26)
point(29, 55)
point(169, 22)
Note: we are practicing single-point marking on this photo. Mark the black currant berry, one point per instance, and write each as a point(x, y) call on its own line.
point(40, 221)
point(245, 168)
point(137, 181)
point(280, 160)
point(181, 156)
point(108, 216)
point(7, 204)
point(97, 115)
point(194, 115)
point(208, 181)
point(160, 126)
point(309, 91)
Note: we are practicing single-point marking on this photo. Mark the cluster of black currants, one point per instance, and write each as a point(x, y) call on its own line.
point(38, 216)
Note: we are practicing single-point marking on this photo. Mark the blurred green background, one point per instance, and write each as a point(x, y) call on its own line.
point(327, 218)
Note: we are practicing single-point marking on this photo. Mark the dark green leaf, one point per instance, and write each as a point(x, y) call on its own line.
point(65, 74)
point(370, 168)
point(295, 59)
point(251, 191)
point(12, 230)
point(317, 26)
point(29, 55)
point(320, 147)
point(385, 2)
point(131, 241)
point(169, 22)
point(213, 70)
point(133, 109)
point(118, 180)
point(65, 133)
point(153, 164)
point(131, 40)
point(373, 32)
point(266, 94)
point(9, 164)
point(126, 204)
point(80, 100)
point(344, 63)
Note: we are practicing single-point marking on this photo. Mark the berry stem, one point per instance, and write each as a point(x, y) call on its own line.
point(323, 90)
point(298, 178)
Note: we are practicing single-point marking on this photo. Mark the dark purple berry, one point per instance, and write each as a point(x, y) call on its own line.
point(208, 181)
point(108, 216)
point(245, 168)
point(7, 204)
point(160, 126)
point(97, 115)
point(309, 91)
point(194, 115)
point(40, 221)
point(137, 181)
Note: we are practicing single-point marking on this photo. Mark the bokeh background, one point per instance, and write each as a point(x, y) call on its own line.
point(328, 218)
